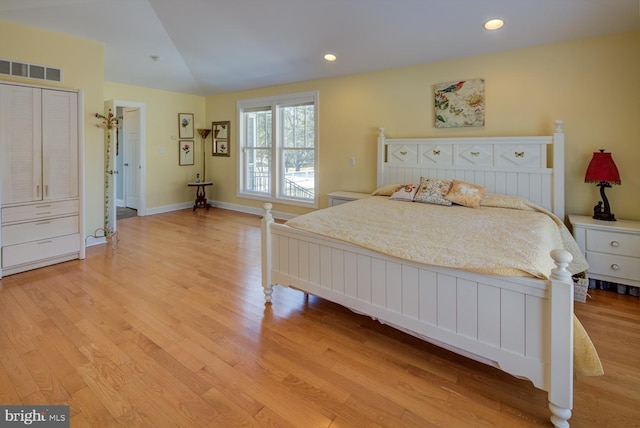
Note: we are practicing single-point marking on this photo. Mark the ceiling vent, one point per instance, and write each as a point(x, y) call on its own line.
point(30, 71)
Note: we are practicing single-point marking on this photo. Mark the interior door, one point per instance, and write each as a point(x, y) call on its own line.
point(132, 166)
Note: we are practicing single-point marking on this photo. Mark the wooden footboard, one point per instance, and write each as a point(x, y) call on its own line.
point(523, 326)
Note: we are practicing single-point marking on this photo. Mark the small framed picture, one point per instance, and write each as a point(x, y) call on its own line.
point(185, 126)
point(221, 132)
point(185, 153)
point(222, 148)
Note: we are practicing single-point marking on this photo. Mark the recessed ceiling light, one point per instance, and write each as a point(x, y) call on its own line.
point(493, 24)
point(330, 57)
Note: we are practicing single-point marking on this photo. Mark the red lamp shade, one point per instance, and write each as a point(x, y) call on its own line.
point(603, 171)
point(602, 168)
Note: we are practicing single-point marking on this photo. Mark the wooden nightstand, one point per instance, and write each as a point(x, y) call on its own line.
point(337, 198)
point(612, 248)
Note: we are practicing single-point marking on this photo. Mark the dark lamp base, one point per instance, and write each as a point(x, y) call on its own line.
point(604, 216)
point(602, 211)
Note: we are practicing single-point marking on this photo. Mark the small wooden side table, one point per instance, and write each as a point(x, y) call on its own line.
point(201, 197)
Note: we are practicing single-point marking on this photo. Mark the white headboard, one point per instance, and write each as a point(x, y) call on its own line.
point(504, 165)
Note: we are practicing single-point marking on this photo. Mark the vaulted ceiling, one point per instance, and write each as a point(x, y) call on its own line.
point(207, 47)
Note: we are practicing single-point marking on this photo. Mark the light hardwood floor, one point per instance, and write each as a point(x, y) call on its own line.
point(170, 329)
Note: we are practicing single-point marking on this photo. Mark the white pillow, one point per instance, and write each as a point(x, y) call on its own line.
point(405, 193)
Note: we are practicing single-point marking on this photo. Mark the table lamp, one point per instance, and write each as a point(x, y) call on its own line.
point(204, 133)
point(602, 170)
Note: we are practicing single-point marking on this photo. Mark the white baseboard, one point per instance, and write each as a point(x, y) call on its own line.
point(168, 208)
point(252, 210)
point(93, 240)
point(90, 241)
point(224, 205)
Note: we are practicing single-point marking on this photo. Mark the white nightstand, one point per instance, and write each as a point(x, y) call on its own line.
point(612, 248)
point(337, 198)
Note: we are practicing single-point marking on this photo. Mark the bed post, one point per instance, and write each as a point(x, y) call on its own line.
point(265, 224)
point(558, 171)
point(561, 367)
point(381, 159)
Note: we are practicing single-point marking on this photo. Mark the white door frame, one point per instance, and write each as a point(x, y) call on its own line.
point(142, 203)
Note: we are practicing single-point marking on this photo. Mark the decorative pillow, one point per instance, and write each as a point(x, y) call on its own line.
point(405, 193)
point(386, 190)
point(433, 191)
point(466, 194)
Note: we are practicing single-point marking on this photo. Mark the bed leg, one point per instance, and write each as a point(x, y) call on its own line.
point(268, 290)
point(267, 220)
point(561, 341)
point(559, 416)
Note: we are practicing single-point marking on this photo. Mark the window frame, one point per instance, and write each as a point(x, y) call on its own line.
point(277, 170)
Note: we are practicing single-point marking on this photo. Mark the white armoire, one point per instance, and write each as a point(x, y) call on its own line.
point(41, 176)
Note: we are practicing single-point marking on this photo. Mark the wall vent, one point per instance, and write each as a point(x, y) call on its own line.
point(5, 67)
point(30, 71)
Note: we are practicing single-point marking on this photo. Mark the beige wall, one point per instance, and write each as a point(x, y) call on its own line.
point(82, 62)
point(165, 179)
point(591, 84)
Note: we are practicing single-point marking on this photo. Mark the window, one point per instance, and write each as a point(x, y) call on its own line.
point(278, 149)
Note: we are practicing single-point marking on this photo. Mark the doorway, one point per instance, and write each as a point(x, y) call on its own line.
point(126, 180)
point(127, 164)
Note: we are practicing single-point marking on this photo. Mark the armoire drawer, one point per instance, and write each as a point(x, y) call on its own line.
point(39, 230)
point(39, 210)
point(13, 255)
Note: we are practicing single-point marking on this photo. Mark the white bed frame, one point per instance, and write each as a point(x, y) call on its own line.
point(523, 326)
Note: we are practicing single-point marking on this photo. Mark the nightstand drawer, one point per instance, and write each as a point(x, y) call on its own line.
point(614, 266)
point(613, 243)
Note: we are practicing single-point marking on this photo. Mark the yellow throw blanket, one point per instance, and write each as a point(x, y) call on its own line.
point(490, 240)
point(585, 357)
point(506, 235)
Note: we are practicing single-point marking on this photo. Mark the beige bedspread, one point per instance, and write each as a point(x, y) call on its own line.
point(506, 236)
